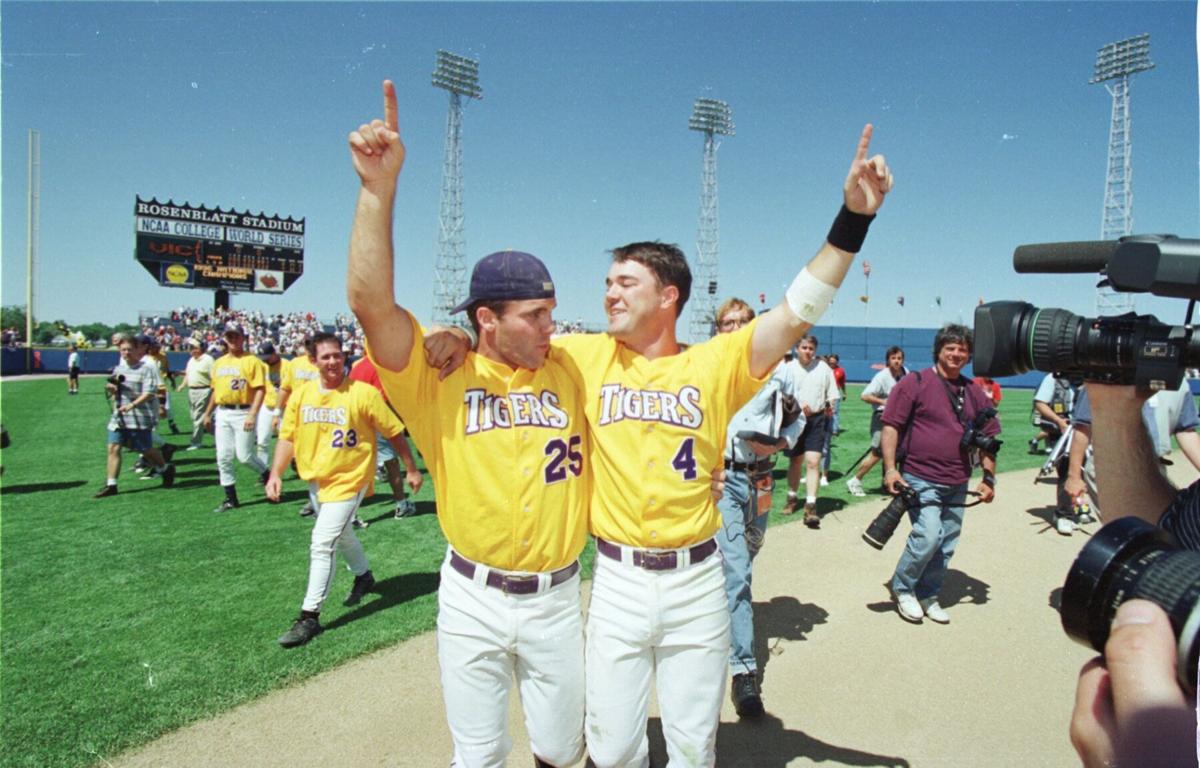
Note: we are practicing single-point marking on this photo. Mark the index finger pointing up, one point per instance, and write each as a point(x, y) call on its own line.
point(864, 144)
point(390, 116)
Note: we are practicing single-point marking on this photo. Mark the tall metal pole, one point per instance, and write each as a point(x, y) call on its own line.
point(1117, 62)
point(31, 237)
point(459, 76)
point(709, 116)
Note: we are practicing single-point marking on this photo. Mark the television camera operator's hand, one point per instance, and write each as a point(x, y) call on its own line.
point(1129, 709)
point(986, 492)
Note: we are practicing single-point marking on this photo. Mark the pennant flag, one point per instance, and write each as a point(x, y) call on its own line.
point(864, 299)
point(762, 298)
point(938, 300)
point(900, 300)
point(866, 268)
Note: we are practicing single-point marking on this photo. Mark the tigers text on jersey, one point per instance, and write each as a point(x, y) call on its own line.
point(333, 432)
point(657, 432)
point(507, 451)
point(234, 379)
point(298, 372)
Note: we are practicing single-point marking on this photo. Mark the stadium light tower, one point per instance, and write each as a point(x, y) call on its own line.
point(460, 76)
point(1116, 62)
point(711, 117)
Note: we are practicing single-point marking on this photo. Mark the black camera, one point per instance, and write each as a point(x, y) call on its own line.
point(1130, 558)
point(880, 531)
point(1013, 337)
point(973, 437)
point(116, 380)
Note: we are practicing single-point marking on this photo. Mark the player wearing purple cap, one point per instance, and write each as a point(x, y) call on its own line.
point(238, 382)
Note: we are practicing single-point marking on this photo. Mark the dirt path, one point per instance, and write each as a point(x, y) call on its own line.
point(846, 682)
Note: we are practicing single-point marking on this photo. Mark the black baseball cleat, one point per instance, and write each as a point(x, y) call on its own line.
point(225, 506)
point(174, 429)
point(305, 629)
point(307, 510)
point(108, 490)
point(264, 477)
point(168, 450)
point(168, 476)
point(362, 585)
point(746, 695)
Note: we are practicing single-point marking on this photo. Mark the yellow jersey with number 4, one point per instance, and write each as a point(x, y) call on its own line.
point(507, 451)
point(333, 432)
point(234, 379)
point(657, 431)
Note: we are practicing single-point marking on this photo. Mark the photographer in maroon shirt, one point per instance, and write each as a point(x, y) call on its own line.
point(936, 421)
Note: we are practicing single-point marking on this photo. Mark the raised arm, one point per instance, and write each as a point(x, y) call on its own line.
point(378, 155)
point(867, 182)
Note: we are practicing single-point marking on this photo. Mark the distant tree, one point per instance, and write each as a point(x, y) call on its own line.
point(13, 316)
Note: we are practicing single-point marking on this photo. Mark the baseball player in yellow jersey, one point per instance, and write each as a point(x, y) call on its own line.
point(238, 382)
point(504, 440)
point(293, 374)
point(657, 415)
point(270, 413)
point(329, 428)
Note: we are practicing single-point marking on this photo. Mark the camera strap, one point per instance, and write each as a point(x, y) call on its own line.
point(954, 403)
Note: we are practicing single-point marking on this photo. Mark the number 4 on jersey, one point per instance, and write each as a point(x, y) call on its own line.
point(685, 459)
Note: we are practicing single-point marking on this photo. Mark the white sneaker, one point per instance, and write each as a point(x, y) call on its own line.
point(824, 481)
point(1063, 525)
point(358, 522)
point(935, 612)
point(192, 448)
point(405, 508)
point(854, 485)
point(909, 607)
point(804, 479)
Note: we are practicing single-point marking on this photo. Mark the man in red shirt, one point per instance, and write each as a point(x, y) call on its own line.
point(364, 371)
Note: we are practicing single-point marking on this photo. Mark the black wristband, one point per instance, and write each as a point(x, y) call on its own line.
point(989, 480)
point(849, 230)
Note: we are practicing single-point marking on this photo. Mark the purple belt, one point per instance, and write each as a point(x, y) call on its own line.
point(657, 561)
point(511, 584)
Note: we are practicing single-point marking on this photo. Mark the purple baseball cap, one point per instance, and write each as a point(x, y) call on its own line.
point(508, 276)
point(234, 328)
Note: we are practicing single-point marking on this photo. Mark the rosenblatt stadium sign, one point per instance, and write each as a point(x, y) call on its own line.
point(186, 246)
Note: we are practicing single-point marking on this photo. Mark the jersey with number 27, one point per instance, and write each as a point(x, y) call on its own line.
point(234, 378)
point(333, 432)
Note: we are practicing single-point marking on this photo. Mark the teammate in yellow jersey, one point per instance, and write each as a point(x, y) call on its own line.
point(238, 381)
point(270, 415)
point(504, 440)
point(294, 374)
point(657, 415)
point(329, 428)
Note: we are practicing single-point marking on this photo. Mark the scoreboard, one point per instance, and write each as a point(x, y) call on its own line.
point(186, 246)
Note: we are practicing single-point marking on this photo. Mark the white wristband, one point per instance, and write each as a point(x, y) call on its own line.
point(474, 337)
point(809, 297)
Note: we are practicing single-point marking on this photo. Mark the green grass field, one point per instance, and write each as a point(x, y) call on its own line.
point(127, 617)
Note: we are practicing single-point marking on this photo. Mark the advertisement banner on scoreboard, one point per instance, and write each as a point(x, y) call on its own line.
point(188, 246)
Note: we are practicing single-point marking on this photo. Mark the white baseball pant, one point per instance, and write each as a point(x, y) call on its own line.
point(333, 528)
point(484, 638)
point(233, 441)
point(262, 434)
point(673, 625)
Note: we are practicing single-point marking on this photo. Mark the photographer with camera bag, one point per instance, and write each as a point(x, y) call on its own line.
point(133, 387)
point(940, 420)
point(1129, 708)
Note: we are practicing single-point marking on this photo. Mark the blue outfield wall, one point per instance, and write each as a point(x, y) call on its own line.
point(862, 352)
point(12, 361)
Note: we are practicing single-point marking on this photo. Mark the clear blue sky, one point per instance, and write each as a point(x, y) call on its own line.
point(581, 142)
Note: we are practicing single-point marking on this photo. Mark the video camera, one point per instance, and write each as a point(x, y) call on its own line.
point(1128, 557)
point(1014, 337)
point(116, 379)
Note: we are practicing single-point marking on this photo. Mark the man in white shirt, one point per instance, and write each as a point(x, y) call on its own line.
point(815, 390)
point(197, 379)
point(875, 395)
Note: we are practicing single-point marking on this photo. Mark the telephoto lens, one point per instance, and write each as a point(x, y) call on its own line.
point(1129, 558)
point(884, 525)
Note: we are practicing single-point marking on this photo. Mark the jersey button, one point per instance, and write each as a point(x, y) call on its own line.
point(526, 471)
point(526, 507)
point(654, 534)
point(650, 464)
